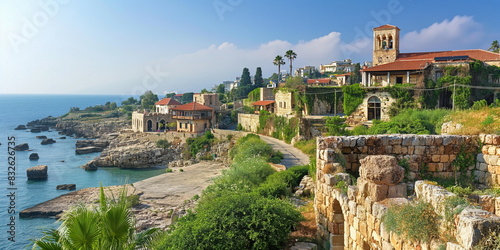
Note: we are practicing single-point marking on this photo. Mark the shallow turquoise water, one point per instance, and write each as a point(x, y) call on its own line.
point(63, 164)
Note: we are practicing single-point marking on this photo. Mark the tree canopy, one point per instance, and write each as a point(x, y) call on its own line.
point(278, 61)
point(187, 97)
point(291, 55)
point(258, 80)
point(148, 100)
point(495, 47)
point(245, 78)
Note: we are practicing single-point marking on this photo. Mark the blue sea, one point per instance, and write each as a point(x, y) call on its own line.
point(63, 164)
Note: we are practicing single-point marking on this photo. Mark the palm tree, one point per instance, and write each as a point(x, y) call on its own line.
point(278, 60)
point(495, 47)
point(291, 56)
point(111, 225)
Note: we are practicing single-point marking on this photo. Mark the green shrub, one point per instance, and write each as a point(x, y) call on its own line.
point(199, 143)
point(169, 170)
point(234, 221)
point(412, 221)
point(239, 127)
point(460, 191)
point(162, 143)
point(452, 206)
point(479, 105)
point(280, 184)
point(335, 125)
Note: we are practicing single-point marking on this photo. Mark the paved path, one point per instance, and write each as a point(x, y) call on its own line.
point(293, 156)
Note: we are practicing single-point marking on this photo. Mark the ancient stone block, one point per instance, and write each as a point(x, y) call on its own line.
point(473, 224)
point(445, 158)
point(436, 158)
point(397, 191)
point(487, 203)
point(381, 169)
point(378, 192)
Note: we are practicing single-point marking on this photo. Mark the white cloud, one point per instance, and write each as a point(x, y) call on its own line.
point(459, 33)
point(212, 65)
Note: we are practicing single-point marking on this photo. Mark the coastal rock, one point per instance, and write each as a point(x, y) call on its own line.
point(87, 150)
point(43, 137)
point(137, 155)
point(34, 157)
point(45, 122)
point(99, 143)
point(37, 173)
point(89, 166)
point(48, 141)
point(35, 130)
point(20, 127)
point(22, 147)
point(62, 137)
point(81, 129)
point(66, 187)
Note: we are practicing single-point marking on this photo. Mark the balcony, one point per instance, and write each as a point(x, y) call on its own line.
point(191, 117)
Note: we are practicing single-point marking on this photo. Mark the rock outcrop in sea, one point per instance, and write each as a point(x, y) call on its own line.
point(37, 172)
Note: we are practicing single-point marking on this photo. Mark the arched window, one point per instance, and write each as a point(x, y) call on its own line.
point(379, 42)
point(391, 43)
point(374, 108)
point(384, 42)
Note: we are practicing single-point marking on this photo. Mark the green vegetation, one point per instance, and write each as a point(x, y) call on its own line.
point(353, 97)
point(110, 225)
point(336, 126)
point(258, 80)
point(308, 147)
point(284, 129)
point(490, 241)
point(148, 100)
point(162, 143)
point(412, 221)
point(240, 209)
point(408, 121)
point(195, 145)
point(252, 145)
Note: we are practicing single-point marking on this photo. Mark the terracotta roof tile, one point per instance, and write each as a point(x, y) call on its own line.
point(386, 26)
point(192, 107)
point(262, 103)
point(419, 60)
point(322, 80)
point(167, 101)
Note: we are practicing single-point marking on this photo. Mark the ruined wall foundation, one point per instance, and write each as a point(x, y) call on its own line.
point(349, 216)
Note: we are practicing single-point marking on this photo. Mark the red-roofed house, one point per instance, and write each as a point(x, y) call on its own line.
point(319, 82)
point(264, 105)
point(193, 117)
point(390, 67)
point(164, 105)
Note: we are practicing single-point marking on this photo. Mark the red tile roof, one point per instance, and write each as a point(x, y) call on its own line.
point(323, 80)
point(167, 101)
point(193, 106)
point(262, 103)
point(419, 60)
point(179, 95)
point(347, 74)
point(399, 66)
point(386, 26)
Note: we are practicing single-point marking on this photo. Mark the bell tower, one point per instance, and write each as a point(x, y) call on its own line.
point(385, 44)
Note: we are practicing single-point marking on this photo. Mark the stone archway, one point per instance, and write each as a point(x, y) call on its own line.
point(374, 108)
point(150, 126)
point(162, 126)
point(337, 236)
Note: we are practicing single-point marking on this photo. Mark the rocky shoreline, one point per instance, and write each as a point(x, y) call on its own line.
point(161, 198)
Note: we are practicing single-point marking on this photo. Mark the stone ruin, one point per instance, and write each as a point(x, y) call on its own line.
point(352, 219)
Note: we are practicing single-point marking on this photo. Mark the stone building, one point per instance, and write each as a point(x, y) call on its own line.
point(284, 103)
point(193, 117)
point(146, 121)
point(208, 99)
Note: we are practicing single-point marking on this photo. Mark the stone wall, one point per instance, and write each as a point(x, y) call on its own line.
point(429, 154)
point(249, 122)
point(352, 218)
point(360, 115)
point(487, 168)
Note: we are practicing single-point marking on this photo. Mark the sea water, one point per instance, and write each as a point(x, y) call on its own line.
point(63, 164)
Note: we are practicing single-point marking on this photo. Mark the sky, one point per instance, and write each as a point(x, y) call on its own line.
point(127, 47)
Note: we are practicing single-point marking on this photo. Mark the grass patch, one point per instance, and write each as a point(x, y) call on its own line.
point(413, 221)
point(484, 120)
point(307, 147)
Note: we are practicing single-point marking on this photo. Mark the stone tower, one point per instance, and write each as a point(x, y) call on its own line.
point(385, 44)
